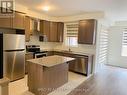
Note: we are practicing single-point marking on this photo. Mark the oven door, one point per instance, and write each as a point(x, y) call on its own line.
point(39, 55)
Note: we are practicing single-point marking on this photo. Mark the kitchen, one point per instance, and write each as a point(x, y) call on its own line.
point(35, 42)
point(43, 31)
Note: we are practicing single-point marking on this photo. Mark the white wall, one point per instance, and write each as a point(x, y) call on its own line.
point(86, 15)
point(34, 40)
point(115, 45)
point(24, 9)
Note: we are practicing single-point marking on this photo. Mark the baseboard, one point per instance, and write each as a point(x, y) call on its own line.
point(116, 66)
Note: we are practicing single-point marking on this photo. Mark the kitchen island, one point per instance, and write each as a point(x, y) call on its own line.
point(47, 73)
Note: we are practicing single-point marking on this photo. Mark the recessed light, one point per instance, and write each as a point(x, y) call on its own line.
point(46, 8)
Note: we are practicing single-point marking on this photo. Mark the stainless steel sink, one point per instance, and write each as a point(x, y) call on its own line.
point(66, 51)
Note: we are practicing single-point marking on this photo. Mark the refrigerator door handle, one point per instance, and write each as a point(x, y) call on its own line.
point(14, 50)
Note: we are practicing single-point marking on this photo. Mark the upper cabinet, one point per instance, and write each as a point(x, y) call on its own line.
point(60, 31)
point(6, 22)
point(18, 20)
point(27, 28)
point(45, 28)
point(52, 30)
point(87, 31)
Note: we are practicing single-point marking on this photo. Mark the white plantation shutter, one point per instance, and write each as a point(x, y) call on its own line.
point(124, 42)
point(103, 47)
point(72, 30)
point(72, 33)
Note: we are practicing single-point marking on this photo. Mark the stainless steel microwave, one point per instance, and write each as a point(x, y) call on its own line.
point(43, 38)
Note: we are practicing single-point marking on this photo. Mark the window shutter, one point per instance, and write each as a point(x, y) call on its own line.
point(72, 33)
point(124, 42)
point(103, 46)
point(72, 29)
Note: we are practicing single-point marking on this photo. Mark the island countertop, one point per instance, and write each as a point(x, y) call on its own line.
point(50, 61)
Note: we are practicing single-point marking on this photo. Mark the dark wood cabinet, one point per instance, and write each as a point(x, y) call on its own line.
point(52, 30)
point(45, 28)
point(87, 31)
point(27, 57)
point(18, 20)
point(50, 53)
point(60, 31)
point(27, 28)
point(6, 22)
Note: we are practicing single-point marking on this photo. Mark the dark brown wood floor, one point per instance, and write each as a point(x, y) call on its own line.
point(109, 81)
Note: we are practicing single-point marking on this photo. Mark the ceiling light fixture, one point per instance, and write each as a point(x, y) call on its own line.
point(46, 8)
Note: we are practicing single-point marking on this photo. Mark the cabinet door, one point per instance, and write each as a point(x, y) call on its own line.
point(27, 29)
point(60, 31)
point(53, 32)
point(6, 22)
point(27, 57)
point(87, 31)
point(50, 53)
point(45, 28)
point(18, 20)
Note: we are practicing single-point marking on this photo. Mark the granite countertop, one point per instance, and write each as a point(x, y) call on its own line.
point(50, 61)
point(4, 81)
point(70, 52)
point(29, 53)
point(74, 52)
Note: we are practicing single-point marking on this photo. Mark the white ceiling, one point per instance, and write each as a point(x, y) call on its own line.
point(114, 9)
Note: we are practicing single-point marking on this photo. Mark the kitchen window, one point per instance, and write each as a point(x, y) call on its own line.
point(72, 34)
point(124, 43)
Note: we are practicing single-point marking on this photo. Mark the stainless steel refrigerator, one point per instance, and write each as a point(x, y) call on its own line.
point(14, 56)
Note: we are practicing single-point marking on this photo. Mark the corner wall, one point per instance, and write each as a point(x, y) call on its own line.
point(115, 46)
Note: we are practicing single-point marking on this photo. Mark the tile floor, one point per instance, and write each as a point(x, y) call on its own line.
point(20, 87)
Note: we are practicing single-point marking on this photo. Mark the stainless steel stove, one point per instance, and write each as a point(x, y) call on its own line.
point(37, 53)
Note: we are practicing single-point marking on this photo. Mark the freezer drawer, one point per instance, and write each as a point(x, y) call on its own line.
point(14, 64)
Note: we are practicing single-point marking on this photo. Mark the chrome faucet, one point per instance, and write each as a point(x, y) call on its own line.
point(69, 49)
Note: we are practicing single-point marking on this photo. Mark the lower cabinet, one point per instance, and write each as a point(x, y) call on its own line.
point(27, 57)
point(82, 64)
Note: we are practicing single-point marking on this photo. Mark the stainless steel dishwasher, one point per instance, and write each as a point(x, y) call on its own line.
point(79, 65)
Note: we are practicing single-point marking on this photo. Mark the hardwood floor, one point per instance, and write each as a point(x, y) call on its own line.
point(109, 81)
